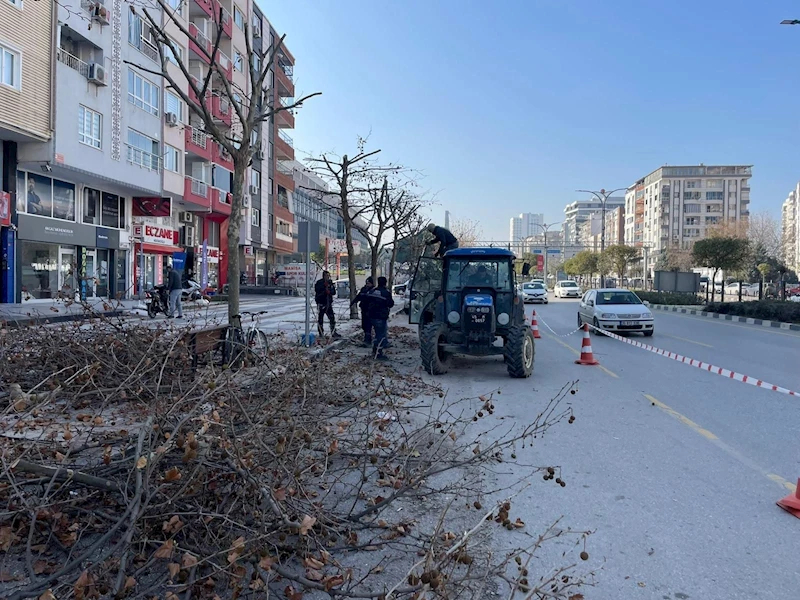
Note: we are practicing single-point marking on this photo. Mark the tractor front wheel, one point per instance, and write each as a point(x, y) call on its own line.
point(435, 360)
point(519, 352)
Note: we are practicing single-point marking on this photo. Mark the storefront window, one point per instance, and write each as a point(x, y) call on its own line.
point(213, 234)
point(40, 195)
point(121, 273)
point(102, 208)
point(261, 267)
point(48, 270)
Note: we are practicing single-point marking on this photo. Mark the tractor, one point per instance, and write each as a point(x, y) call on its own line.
point(467, 303)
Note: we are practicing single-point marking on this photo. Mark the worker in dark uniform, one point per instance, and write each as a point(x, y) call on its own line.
point(446, 240)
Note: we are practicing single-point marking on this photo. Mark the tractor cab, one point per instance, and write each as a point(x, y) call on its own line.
point(467, 303)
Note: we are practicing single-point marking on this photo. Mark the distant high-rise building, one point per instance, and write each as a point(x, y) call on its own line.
point(524, 226)
point(676, 206)
point(579, 212)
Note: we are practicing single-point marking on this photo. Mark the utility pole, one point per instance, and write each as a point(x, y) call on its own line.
point(447, 219)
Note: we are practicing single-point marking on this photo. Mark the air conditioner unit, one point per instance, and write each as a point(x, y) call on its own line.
point(186, 217)
point(97, 74)
point(100, 13)
point(260, 154)
point(171, 118)
point(254, 189)
point(188, 236)
point(246, 201)
point(256, 30)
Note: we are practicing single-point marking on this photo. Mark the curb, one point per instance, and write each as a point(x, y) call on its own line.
point(48, 320)
point(721, 317)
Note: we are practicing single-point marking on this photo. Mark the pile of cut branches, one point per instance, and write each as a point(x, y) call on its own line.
point(127, 474)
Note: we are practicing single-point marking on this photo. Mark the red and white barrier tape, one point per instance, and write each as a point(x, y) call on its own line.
point(699, 364)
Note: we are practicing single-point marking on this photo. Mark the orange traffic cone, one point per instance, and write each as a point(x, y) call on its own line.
point(587, 357)
point(535, 326)
point(792, 502)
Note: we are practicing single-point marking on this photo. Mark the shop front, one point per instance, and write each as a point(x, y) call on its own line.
point(62, 259)
point(254, 265)
point(207, 272)
point(154, 246)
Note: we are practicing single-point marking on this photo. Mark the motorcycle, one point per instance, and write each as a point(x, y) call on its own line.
point(157, 301)
point(191, 291)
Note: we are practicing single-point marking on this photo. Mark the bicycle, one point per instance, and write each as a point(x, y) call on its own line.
point(240, 341)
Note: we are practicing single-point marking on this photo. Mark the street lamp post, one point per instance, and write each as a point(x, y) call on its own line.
point(545, 228)
point(602, 196)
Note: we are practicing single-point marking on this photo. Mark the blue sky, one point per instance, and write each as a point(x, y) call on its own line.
point(510, 106)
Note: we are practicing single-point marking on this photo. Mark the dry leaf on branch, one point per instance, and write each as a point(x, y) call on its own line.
point(48, 595)
point(166, 549)
point(307, 524)
point(81, 587)
point(174, 569)
point(188, 561)
point(313, 563)
point(292, 594)
point(314, 575)
point(141, 463)
point(172, 474)
point(332, 582)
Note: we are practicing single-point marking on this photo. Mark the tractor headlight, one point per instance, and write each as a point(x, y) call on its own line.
point(484, 309)
point(608, 316)
point(453, 316)
point(503, 318)
point(471, 309)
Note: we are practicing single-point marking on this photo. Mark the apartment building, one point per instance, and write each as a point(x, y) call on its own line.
point(522, 227)
point(590, 231)
point(677, 205)
point(790, 223)
point(110, 175)
point(578, 212)
point(26, 111)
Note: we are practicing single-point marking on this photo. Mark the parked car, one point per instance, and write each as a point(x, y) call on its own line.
point(534, 292)
point(400, 288)
point(614, 309)
point(567, 289)
point(407, 299)
point(732, 288)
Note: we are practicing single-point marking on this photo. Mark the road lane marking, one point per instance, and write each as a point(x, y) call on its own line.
point(683, 339)
point(729, 450)
point(576, 353)
point(757, 328)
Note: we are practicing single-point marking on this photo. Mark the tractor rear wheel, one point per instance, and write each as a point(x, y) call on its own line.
point(519, 352)
point(434, 359)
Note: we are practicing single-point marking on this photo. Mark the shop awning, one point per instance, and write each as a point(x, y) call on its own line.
point(157, 248)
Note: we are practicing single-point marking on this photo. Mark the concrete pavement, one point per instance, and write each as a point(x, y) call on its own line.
point(677, 470)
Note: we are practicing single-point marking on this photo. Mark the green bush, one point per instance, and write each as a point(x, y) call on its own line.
point(766, 310)
point(670, 298)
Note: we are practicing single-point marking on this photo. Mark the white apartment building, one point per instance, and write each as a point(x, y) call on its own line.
point(522, 227)
point(580, 211)
point(790, 240)
point(676, 206)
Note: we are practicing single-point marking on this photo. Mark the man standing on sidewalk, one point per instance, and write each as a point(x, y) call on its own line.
point(380, 302)
point(363, 300)
point(175, 289)
point(324, 291)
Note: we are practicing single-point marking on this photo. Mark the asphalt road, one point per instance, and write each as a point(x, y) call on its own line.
point(675, 469)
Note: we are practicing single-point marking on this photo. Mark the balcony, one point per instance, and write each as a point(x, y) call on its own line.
point(201, 7)
point(285, 118)
point(199, 45)
point(145, 160)
point(198, 143)
point(284, 76)
point(225, 64)
point(196, 192)
point(221, 110)
point(227, 21)
point(284, 146)
point(221, 157)
point(220, 204)
point(284, 174)
point(73, 62)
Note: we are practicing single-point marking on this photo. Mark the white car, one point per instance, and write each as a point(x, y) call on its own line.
point(567, 289)
point(534, 292)
point(614, 309)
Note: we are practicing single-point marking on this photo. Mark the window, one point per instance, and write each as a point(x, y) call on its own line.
point(172, 159)
point(270, 150)
point(692, 183)
point(89, 127)
point(10, 68)
point(465, 273)
point(112, 210)
point(714, 184)
point(173, 104)
point(40, 195)
point(255, 178)
point(692, 221)
point(238, 18)
point(176, 5)
point(712, 220)
point(715, 195)
point(238, 61)
point(213, 233)
point(142, 93)
point(256, 62)
point(221, 179)
point(254, 137)
point(714, 208)
point(271, 187)
point(255, 217)
point(238, 99)
point(141, 37)
point(173, 57)
point(17, 3)
point(691, 195)
point(691, 208)
point(143, 150)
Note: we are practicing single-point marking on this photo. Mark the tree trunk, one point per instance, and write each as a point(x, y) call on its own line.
point(391, 265)
point(348, 235)
point(373, 262)
point(714, 284)
point(234, 227)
